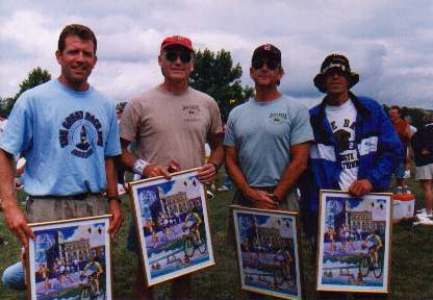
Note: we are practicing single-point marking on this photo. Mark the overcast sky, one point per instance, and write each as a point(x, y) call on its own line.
point(389, 43)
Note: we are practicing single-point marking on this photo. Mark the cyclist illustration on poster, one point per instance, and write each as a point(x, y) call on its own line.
point(354, 242)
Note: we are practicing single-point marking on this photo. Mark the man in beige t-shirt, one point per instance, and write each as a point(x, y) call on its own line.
point(171, 124)
point(170, 127)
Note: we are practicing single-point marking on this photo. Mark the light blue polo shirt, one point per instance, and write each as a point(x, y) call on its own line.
point(263, 133)
point(65, 136)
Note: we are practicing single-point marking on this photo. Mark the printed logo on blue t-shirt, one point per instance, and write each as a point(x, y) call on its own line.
point(278, 117)
point(81, 132)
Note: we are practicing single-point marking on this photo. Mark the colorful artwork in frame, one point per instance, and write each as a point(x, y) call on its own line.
point(354, 242)
point(70, 260)
point(268, 253)
point(173, 227)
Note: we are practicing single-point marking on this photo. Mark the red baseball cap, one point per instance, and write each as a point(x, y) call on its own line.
point(177, 40)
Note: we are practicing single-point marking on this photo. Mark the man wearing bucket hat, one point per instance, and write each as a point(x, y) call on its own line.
point(171, 124)
point(267, 139)
point(356, 148)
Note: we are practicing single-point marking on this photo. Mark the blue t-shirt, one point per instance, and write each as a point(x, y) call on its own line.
point(262, 133)
point(64, 136)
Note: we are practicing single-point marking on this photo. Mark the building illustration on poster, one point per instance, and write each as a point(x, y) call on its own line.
point(174, 228)
point(354, 242)
point(70, 260)
point(268, 252)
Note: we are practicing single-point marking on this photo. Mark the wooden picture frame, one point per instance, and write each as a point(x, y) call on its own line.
point(267, 244)
point(354, 242)
point(172, 224)
point(70, 259)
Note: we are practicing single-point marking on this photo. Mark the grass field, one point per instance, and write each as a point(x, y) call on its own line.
point(411, 272)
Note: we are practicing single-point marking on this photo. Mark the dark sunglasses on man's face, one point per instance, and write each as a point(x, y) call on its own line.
point(272, 64)
point(335, 71)
point(185, 56)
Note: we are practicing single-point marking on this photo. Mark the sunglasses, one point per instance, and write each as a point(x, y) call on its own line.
point(185, 56)
point(272, 64)
point(335, 71)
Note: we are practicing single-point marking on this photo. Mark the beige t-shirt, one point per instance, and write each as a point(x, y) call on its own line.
point(171, 127)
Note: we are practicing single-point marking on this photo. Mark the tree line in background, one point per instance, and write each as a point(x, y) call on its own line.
point(36, 77)
point(214, 74)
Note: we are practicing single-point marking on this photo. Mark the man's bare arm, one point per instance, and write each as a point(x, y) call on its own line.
point(208, 171)
point(129, 159)
point(14, 216)
point(112, 195)
point(7, 178)
point(217, 150)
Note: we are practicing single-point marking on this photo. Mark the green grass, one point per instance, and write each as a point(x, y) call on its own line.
point(411, 261)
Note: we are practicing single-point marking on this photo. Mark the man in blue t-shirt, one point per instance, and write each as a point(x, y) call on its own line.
point(68, 133)
point(267, 139)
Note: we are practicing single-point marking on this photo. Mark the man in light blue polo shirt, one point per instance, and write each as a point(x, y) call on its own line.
point(68, 133)
point(267, 139)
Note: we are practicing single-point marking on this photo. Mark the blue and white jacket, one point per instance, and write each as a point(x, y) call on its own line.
point(379, 150)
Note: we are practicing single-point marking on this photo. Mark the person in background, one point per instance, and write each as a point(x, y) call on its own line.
point(410, 154)
point(404, 133)
point(121, 187)
point(422, 145)
point(412, 128)
point(3, 121)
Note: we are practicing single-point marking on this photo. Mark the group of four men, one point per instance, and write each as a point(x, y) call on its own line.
point(69, 134)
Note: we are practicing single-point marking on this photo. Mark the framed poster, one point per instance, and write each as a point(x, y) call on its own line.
point(173, 227)
point(354, 242)
point(268, 253)
point(70, 260)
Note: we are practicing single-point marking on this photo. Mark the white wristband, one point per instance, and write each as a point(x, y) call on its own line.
point(139, 166)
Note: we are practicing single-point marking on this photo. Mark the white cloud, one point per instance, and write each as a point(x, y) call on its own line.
point(387, 42)
point(30, 32)
point(125, 80)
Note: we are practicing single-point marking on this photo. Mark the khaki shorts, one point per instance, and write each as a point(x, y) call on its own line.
point(53, 209)
point(424, 172)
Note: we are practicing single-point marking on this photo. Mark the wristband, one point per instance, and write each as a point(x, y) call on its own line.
point(139, 166)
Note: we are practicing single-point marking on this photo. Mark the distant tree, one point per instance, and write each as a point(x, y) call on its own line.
point(417, 115)
point(6, 105)
point(214, 74)
point(36, 77)
point(3, 113)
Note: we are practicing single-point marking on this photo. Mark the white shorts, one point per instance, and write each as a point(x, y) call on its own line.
point(424, 172)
